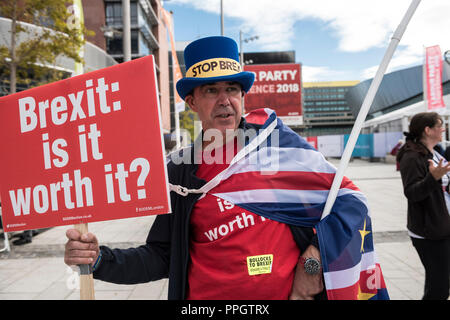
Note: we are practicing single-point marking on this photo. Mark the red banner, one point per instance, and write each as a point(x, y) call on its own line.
point(312, 141)
point(276, 86)
point(84, 149)
point(433, 78)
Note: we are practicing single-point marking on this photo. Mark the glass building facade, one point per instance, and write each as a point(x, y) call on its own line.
point(143, 19)
point(148, 37)
point(326, 110)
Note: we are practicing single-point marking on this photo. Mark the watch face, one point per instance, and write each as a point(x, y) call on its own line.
point(447, 56)
point(312, 266)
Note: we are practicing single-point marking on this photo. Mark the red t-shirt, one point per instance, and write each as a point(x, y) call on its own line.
point(236, 254)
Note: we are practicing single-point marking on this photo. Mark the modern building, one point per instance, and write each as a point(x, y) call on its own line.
point(148, 36)
point(94, 56)
point(399, 97)
point(326, 111)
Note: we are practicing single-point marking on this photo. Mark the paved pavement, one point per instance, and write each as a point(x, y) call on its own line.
point(37, 270)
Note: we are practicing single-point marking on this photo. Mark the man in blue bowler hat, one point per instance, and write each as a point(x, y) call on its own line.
point(212, 246)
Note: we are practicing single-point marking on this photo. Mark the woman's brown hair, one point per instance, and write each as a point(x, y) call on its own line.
point(416, 129)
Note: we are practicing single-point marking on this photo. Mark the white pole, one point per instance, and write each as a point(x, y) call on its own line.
point(241, 58)
point(405, 122)
point(175, 105)
point(126, 35)
point(177, 128)
point(366, 106)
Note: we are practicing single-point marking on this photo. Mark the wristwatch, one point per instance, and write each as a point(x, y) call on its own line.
point(312, 265)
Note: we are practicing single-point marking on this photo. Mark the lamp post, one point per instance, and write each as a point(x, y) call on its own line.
point(221, 18)
point(241, 57)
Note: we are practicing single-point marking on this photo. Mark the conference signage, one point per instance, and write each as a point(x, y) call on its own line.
point(276, 86)
point(83, 149)
point(433, 78)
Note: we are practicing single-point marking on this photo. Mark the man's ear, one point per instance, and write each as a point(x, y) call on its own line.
point(189, 99)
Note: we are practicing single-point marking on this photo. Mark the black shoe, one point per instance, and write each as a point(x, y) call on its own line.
point(21, 241)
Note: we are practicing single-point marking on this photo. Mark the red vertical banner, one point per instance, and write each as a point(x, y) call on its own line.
point(277, 86)
point(433, 78)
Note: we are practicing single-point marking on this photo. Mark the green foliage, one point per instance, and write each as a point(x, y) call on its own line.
point(187, 119)
point(58, 36)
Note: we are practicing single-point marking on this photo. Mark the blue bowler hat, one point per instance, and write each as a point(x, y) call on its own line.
point(212, 59)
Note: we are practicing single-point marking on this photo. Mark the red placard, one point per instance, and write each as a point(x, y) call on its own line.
point(84, 149)
point(433, 78)
point(276, 86)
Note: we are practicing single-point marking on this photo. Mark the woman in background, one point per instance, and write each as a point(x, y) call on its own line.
point(425, 176)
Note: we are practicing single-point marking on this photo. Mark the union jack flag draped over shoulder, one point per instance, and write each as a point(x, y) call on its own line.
point(280, 176)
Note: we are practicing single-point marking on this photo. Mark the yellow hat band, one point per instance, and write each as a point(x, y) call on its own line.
point(216, 67)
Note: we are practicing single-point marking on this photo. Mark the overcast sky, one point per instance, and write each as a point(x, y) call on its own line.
point(333, 39)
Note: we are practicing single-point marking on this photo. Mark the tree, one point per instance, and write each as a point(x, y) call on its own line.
point(56, 35)
point(187, 122)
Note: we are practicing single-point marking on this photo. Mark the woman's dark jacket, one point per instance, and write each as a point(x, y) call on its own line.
point(427, 211)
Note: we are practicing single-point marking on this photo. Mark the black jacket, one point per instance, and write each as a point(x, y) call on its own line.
point(427, 211)
point(166, 252)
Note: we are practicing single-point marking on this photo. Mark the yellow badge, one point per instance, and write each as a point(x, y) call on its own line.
point(259, 264)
